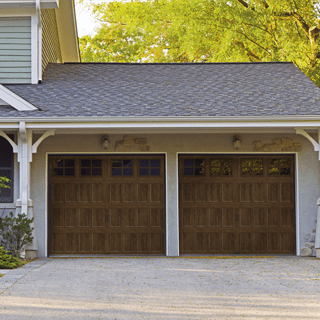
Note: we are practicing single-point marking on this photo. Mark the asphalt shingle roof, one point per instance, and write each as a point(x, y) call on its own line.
point(201, 90)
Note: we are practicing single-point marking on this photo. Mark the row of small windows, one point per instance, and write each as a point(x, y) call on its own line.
point(249, 167)
point(93, 167)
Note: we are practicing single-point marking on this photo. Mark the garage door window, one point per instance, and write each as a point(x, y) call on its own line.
point(63, 167)
point(122, 167)
point(91, 167)
point(220, 167)
point(193, 167)
point(279, 167)
point(149, 167)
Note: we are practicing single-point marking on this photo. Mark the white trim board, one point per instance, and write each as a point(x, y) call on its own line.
point(46, 233)
point(14, 100)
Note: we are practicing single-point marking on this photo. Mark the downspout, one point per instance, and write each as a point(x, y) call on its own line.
point(39, 41)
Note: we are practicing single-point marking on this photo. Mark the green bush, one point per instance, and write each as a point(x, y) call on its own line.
point(16, 233)
point(7, 261)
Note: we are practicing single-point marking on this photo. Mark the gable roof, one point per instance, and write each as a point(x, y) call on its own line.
point(173, 90)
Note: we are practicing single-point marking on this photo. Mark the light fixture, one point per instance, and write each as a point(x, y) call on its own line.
point(236, 142)
point(105, 142)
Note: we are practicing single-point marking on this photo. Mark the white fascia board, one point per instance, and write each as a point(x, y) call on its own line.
point(45, 4)
point(15, 101)
point(307, 122)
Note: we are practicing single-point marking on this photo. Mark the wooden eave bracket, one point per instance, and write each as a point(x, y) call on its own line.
point(316, 145)
point(15, 101)
point(44, 136)
point(23, 135)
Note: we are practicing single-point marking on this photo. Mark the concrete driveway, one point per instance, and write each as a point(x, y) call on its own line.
point(163, 288)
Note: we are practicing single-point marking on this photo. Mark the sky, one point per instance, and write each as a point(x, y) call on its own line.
point(85, 22)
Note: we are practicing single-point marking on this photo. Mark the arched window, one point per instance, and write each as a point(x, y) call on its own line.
point(6, 169)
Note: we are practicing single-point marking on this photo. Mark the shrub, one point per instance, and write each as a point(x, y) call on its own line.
point(7, 261)
point(16, 233)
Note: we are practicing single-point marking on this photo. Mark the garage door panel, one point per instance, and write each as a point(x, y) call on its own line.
point(201, 192)
point(273, 242)
point(188, 242)
point(259, 242)
point(128, 192)
point(215, 242)
point(259, 192)
point(246, 209)
point(143, 217)
point(260, 216)
point(187, 192)
point(246, 217)
point(71, 192)
point(58, 243)
point(156, 192)
point(115, 192)
point(85, 192)
point(156, 243)
point(72, 243)
point(129, 217)
point(116, 217)
point(287, 192)
point(228, 217)
point(98, 192)
point(98, 242)
point(287, 242)
point(85, 217)
point(71, 217)
point(58, 192)
point(143, 192)
point(115, 243)
point(129, 242)
point(201, 242)
point(157, 217)
point(201, 217)
point(228, 242)
point(246, 242)
point(273, 192)
point(98, 218)
point(85, 243)
point(215, 191)
point(287, 217)
point(215, 217)
point(57, 217)
point(143, 243)
point(245, 192)
point(273, 217)
point(187, 217)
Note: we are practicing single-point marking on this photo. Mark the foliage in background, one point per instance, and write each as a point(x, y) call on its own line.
point(4, 183)
point(16, 233)
point(207, 31)
point(7, 261)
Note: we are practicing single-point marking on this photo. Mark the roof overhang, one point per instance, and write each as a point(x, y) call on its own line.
point(68, 33)
point(45, 4)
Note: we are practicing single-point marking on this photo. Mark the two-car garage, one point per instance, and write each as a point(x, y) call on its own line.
point(115, 204)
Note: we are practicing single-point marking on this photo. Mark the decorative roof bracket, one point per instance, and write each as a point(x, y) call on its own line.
point(316, 145)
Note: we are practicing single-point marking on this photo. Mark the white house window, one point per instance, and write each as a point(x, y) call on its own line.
point(6, 169)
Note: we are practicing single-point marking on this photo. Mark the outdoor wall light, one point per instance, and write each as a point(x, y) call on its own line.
point(236, 142)
point(105, 142)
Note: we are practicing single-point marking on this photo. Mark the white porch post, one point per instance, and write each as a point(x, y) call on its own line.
point(317, 241)
point(172, 218)
point(24, 204)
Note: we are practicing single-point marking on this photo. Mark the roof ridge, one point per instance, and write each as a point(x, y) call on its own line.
point(178, 63)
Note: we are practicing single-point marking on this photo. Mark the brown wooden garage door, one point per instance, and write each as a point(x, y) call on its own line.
point(106, 204)
point(237, 204)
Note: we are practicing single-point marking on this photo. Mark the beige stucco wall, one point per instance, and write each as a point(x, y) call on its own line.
point(308, 179)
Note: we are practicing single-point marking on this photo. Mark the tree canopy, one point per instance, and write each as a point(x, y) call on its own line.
point(207, 31)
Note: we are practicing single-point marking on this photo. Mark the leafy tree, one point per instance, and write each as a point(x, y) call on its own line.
point(207, 31)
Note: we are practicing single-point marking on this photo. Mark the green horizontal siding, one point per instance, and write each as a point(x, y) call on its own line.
point(15, 50)
point(17, 22)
